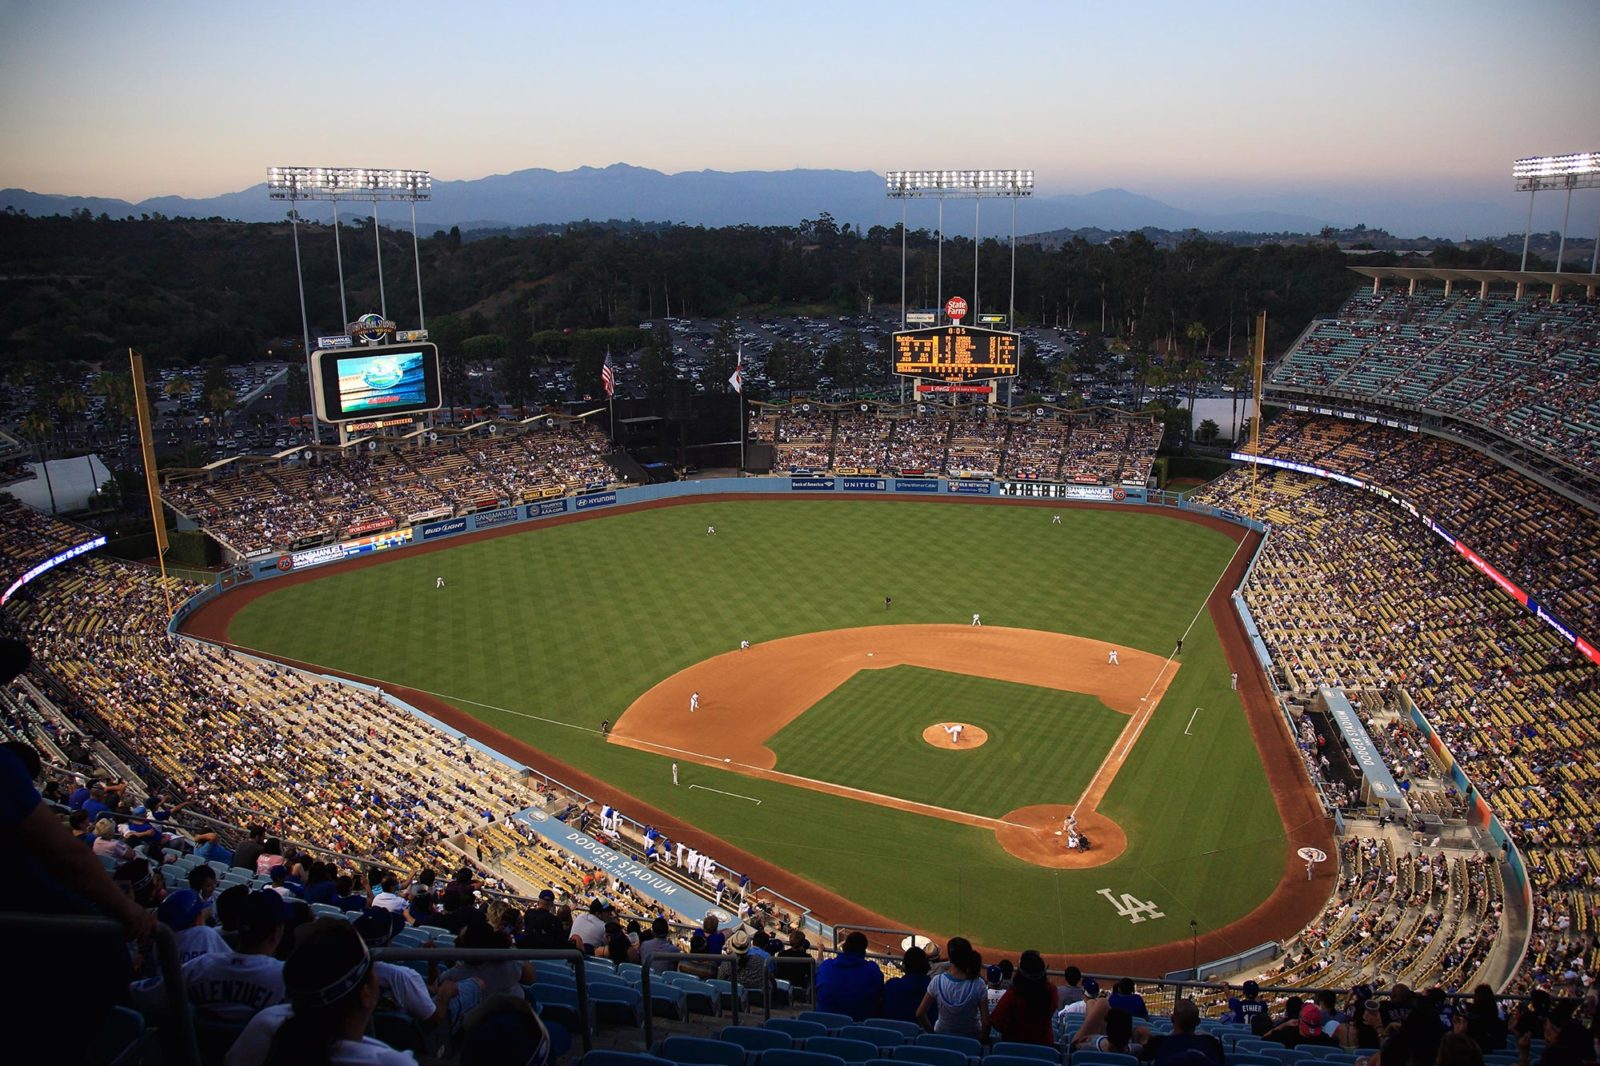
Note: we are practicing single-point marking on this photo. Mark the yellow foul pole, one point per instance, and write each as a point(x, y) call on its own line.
point(1256, 373)
point(147, 449)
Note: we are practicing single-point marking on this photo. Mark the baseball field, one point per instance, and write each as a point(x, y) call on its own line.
point(821, 757)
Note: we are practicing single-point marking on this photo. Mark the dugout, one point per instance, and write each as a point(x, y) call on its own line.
point(1378, 786)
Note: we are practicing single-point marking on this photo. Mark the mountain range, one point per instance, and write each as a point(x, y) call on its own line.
point(723, 198)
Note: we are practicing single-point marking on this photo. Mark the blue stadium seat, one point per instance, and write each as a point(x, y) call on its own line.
point(882, 1039)
point(848, 1050)
point(755, 1040)
point(909, 1030)
point(726, 992)
point(1019, 1060)
point(833, 1021)
point(696, 1051)
point(791, 1057)
point(799, 1030)
point(701, 998)
point(1024, 1051)
point(618, 1003)
point(928, 1056)
point(669, 1002)
point(1246, 1057)
point(603, 1057)
point(560, 1005)
point(968, 1046)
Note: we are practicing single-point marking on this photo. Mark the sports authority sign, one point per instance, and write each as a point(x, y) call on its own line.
point(955, 308)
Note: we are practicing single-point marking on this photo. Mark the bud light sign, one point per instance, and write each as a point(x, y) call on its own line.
point(443, 529)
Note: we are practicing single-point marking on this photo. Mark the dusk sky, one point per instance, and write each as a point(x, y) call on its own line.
point(1201, 104)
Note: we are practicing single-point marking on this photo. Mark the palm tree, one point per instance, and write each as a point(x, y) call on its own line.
point(37, 427)
point(72, 401)
point(179, 388)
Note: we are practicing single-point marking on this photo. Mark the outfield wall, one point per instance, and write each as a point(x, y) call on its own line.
point(275, 564)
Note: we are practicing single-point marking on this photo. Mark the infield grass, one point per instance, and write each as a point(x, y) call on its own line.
point(1044, 745)
point(543, 633)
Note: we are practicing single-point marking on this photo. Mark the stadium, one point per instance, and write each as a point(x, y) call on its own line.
point(915, 674)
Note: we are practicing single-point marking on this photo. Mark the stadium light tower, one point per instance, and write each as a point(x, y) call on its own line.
point(959, 184)
point(1536, 174)
point(349, 183)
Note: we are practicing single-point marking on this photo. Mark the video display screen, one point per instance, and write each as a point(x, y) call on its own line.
point(383, 381)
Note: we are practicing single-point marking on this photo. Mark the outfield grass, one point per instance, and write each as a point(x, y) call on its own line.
point(546, 632)
point(1044, 745)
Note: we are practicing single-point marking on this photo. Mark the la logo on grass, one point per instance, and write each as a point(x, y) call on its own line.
point(1132, 907)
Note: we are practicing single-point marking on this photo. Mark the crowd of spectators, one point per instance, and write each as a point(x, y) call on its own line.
point(1528, 370)
point(1352, 592)
point(1043, 444)
point(1546, 543)
point(319, 494)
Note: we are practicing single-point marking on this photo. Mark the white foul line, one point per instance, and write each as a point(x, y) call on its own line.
point(735, 795)
point(1191, 722)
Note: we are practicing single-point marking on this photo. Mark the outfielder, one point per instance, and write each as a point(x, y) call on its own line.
point(674, 773)
point(977, 619)
point(438, 582)
point(711, 531)
point(1055, 520)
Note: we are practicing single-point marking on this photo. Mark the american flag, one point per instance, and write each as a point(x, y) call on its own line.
point(608, 376)
point(737, 378)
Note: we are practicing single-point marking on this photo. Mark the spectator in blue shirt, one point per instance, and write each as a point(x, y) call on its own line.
point(849, 983)
point(901, 995)
point(1125, 997)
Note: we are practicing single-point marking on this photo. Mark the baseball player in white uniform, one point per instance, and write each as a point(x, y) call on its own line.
point(955, 732)
point(744, 645)
point(1234, 680)
point(711, 531)
point(1055, 520)
point(977, 619)
point(674, 773)
point(694, 702)
point(1111, 658)
point(438, 582)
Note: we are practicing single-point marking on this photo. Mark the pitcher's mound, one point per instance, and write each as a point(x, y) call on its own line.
point(971, 736)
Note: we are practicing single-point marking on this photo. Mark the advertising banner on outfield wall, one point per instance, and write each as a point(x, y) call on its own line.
point(332, 553)
point(972, 488)
point(916, 484)
point(597, 499)
point(443, 529)
point(546, 507)
point(485, 519)
point(811, 484)
point(862, 484)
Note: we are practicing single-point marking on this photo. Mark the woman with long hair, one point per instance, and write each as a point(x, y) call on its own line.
point(333, 989)
point(959, 994)
point(1025, 1011)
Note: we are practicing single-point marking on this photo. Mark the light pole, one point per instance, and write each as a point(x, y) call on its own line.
point(1576, 170)
point(349, 183)
point(978, 184)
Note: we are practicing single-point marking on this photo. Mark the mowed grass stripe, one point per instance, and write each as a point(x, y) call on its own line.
point(1043, 746)
point(574, 622)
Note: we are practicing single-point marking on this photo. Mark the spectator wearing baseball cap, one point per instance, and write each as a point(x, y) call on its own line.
point(1251, 1009)
point(589, 927)
point(184, 912)
point(232, 987)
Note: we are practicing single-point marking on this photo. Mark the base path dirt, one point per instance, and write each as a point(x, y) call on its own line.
point(748, 696)
point(971, 736)
point(1293, 903)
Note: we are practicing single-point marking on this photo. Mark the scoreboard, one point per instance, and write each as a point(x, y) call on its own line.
point(955, 353)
